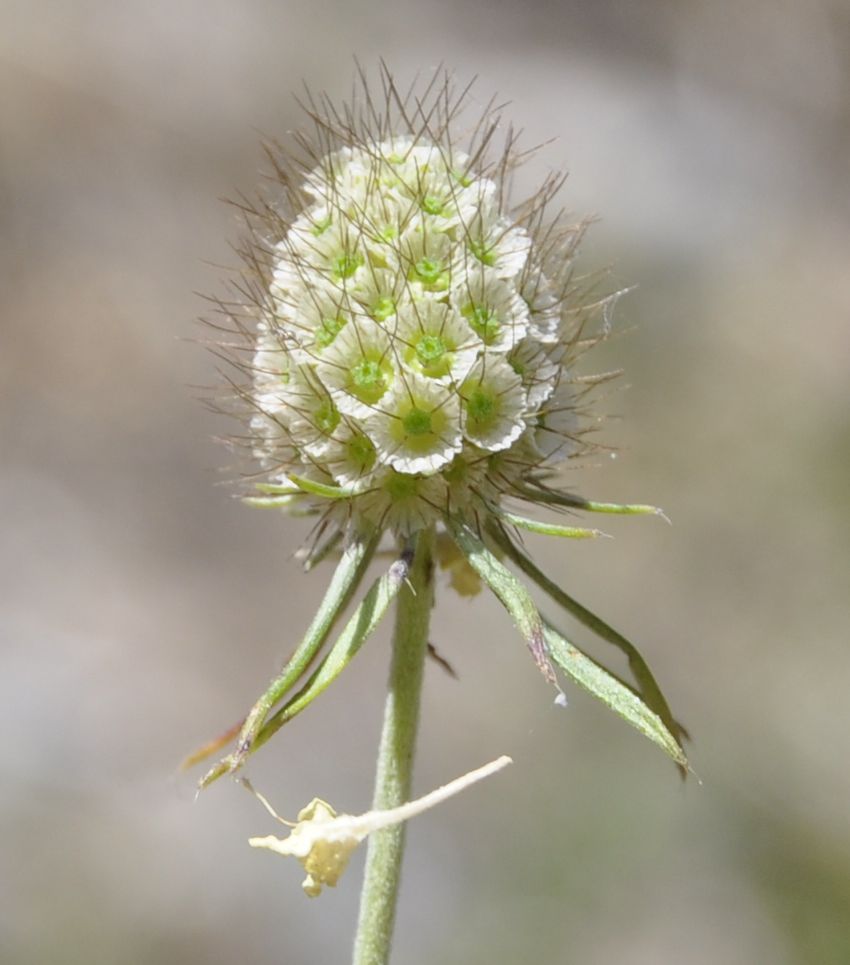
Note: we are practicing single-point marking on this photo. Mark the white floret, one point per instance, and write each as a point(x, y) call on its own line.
point(351, 457)
point(496, 242)
point(272, 362)
point(429, 258)
point(491, 306)
point(404, 502)
point(315, 319)
point(359, 367)
point(435, 341)
point(309, 411)
point(539, 370)
point(270, 427)
point(544, 308)
point(494, 404)
point(417, 429)
point(378, 293)
point(557, 424)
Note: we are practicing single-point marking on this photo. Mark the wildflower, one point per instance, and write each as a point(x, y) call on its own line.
point(408, 345)
point(409, 365)
point(406, 306)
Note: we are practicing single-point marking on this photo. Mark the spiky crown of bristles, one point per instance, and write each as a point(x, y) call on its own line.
point(409, 337)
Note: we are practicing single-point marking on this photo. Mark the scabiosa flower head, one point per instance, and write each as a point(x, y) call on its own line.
point(407, 322)
point(408, 344)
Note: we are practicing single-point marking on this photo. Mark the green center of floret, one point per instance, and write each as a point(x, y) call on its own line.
point(361, 452)
point(431, 273)
point(400, 486)
point(483, 321)
point(457, 472)
point(430, 355)
point(321, 226)
point(481, 408)
point(382, 308)
point(519, 367)
point(431, 204)
point(430, 349)
point(328, 331)
point(346, 264)
point(327, 417)
point(417, 422)
point(368, 379)
point(483, 252)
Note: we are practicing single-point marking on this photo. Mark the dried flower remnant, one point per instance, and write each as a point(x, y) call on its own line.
point(323, 841)
point(408, 344)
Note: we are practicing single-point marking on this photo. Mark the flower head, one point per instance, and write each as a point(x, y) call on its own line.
point(408, 320)
point(409, 354)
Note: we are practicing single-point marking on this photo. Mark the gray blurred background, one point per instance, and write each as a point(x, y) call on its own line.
point(142, 608)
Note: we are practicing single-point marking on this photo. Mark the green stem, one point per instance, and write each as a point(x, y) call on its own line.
point(395, 757)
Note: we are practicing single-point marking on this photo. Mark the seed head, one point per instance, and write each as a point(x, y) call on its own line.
point(408, 336)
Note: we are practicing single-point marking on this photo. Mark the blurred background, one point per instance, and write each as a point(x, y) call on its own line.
point(142, 608)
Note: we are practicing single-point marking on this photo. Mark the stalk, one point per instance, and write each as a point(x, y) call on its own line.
point(395, 757)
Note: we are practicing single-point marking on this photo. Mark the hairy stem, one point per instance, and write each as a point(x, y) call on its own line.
point(395, 757)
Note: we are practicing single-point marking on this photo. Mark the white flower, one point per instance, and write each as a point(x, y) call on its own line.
point(494, 404)
point(351, 457)
point(492, 307)
point(404, 502)
point(338, 178)
point(433, 180)
point(537, 368)
point(496, 243)
point(314, 319)
point(417, 429)
point(309, 411)
point(557, 425)
point(544, 308)
point(427, 254)
point(435, 341)
point(273, 443)
point(335, 255)
point(379, 292)
point(272, 362)
point(359, 367)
